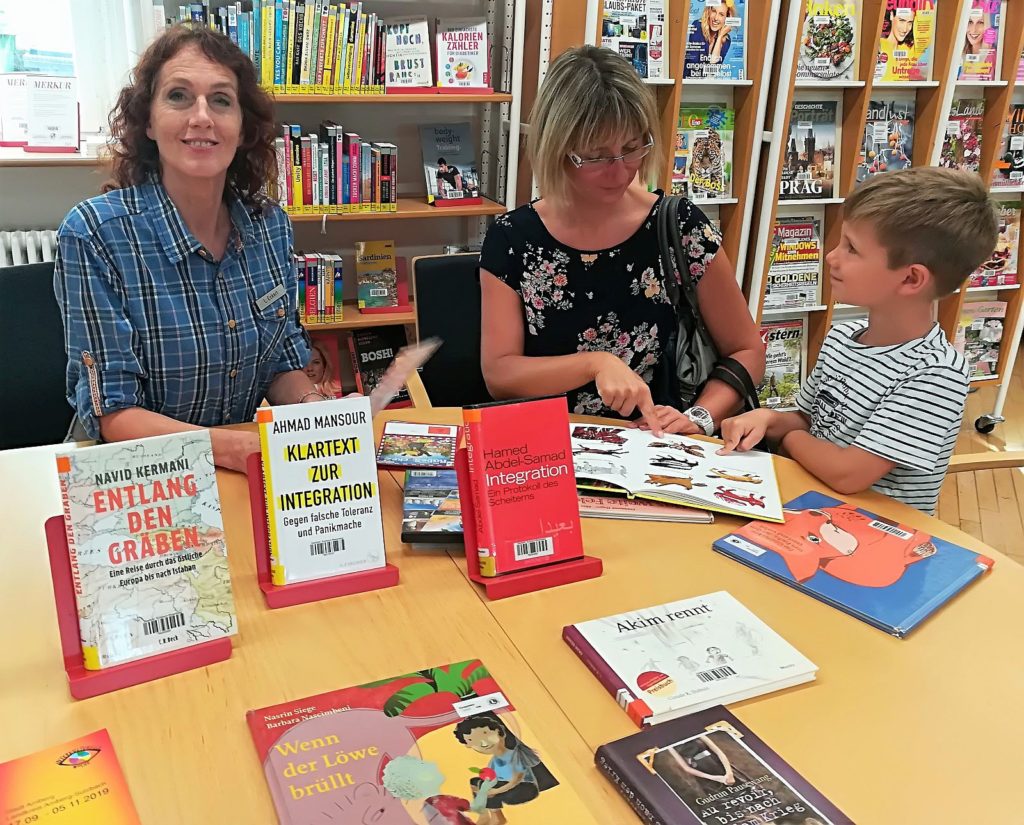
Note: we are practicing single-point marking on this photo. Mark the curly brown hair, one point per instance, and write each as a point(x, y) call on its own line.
point(135, 156)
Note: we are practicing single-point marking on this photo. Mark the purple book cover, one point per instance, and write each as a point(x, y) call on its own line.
point(709, 768)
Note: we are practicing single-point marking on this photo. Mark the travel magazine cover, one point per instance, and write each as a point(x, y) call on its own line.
point(716, 40)
point(376, 274)
point(794, 264)
point(785, 345)
point(888, 137)
point(705, 140)
point(906, 41)
point(828, 46)
point(811, 152)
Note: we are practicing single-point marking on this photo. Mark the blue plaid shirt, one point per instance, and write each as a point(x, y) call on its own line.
point(151, 320)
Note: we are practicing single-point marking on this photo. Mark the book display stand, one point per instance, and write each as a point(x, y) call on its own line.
point(286, 595)
point(84, 684)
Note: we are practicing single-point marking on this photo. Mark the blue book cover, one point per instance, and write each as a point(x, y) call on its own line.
point(886, 574)
point(346, 186)
point(715, 41)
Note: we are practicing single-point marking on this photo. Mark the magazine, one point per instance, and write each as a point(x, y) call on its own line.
point(431, 512)
point(980, 56)
point(979, 336)
point(794, 264)
point(888, 137)
point(785, 344)
point(715, 42)
point(705, 141)
point(811, 151)
point(636, 30)
point(1001, 267)
point(450, 163)
point(828, 47)
point(961, 141)
point(404, 444)
point(1009, 171)
point(906, 42)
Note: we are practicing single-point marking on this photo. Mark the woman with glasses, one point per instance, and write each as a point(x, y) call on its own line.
point(574, 299)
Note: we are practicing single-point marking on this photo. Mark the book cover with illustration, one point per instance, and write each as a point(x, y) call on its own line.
point(665, 661)
point(372, 350)
point(1009, 171)
point(979, 336)
point(785, 348)
point(961, 139)
point(675, 469)
point(463, 57)
point(828, 45)
point(637, 27)
point(407, 54)
point(405, 444)
point(811, 152)
point(320, 478)
point(979, 58)
point(888, 137)
point(716, 40)
point(1001, 267)
point(431, 510)
point(450, 164)
point(886, 574)
point(146, 545)
point(794, 264)
point(440, 745)
point(906, 42)
point(78, 782)
point(376, 274)
point(705, 139)
point(709, 768)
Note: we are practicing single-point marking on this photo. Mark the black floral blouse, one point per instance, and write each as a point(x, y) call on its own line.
point(605, 300)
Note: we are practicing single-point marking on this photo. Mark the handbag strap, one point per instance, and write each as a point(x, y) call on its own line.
point(679, 286)
point(732, 372)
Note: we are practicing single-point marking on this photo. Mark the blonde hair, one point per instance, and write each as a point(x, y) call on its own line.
point(942, 219)
point(588, 95)
point(705, 26)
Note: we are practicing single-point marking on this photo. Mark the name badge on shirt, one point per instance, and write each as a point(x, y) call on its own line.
point(270, 297)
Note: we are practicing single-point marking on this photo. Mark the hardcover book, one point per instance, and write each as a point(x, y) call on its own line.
point(665, 661)
point(1009, 171)
point(715, 41)
point(638, 509)
point(404, 444)
point(785, 346)
point(440, 745)
point(906, 41)
point(372, 350)
point(961, 141)
point(431, 510)
point(705, 135)
point(320, 477)
point(376, 274)
point(1001, 267)
point(794, 264)
point(711, 769)
point(979, 336)
point(828, 45)
point(637, 28)
point(675, 469)
point(450, 164)
point(888, 137)
point(146, 545)
point(980, 56)
point(886, 574)
point(463, 54)
point(407, 49)
point(811, 151)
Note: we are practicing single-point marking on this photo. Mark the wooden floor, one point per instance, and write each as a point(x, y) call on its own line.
point(990, 504)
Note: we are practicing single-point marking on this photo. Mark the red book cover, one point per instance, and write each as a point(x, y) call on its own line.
point(523, 484)
point(354, 175)
point(307, 172)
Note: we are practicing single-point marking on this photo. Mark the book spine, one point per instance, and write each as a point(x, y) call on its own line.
point(354, 176)
point(312, 299)
point(283, 190)
point(353, 349)
point(321, 42)
point(267, 46)
point(307, 44)
point(296, 47)
point(485, 546)
point(257, 38)
point(306, 161)
point(628, 792)
point(314, 172)
point(90, 648)
point(366, 179)
point(233, 24)
point(636, 709)
point(332, 24)
point(300, 279)
point(280, 32)
point(339, 304)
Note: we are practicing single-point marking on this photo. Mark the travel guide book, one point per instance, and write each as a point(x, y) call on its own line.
point(961, 139)
point(828, 45)
point(785, 346)
point(636, 30)
point(146, 546)
point(716, 40)
point(376, 274)
point(450, 164)
point(811, 151)
point(888, 137)
point(980, 56)
point(675, 469)
point(1009, 171)
point(705, 134)
point(794, 264)
point(431, 510)
point(440, 745)
point(662, 662)
point(886, 574)
point(638, 509)
point(709, 768)
point(404, 444)
point(906, 42)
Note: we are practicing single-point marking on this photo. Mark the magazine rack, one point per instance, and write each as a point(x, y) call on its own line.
point(83, 683)
point(286, 595)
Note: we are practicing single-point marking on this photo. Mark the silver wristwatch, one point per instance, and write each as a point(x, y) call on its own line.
point(702, 418)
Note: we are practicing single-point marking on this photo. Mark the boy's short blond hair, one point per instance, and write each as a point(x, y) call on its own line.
point(939, 218)
point(589, 95)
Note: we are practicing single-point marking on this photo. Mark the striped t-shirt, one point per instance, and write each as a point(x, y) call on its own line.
point(902, 403)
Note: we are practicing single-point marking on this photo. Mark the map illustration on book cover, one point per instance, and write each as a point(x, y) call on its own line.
point(715, 40)
point(811, 154)
point(888, 137)
point(450, 163)
point(705, 138)
point(436, 746)
point(886, 574)
point(709, 768)
point(431, 511)
point(828, 48)
point(146, 544)
point(906, 41)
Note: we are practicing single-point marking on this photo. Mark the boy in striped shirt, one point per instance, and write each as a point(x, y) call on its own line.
point(883, 405)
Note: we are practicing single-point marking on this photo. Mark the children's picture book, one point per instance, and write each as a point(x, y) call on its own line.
point(811, 151)
point(372, 350)
point(146, 545)
point(794, 264)
point(320, 478)
point(407, 54)
point(637, 509)
point(906, 41)
point(44, 787)
point(1009, 171)
point(979, 336)
point(439, 745)
point(828, 45)
point(431, 510)
point(886, 574)
point(636, 29)
point(450, 164)
point(961, 140)
point(421, 446)
point(463, 54)
point(675, 469)
point(324, 367)
point(980, 55)
point(376, 274)
point(888, 137)
point(1001, 267)
point(709, 768)
point(665, 661)
point(705, 134)
point(716, 40)
point(785, 347)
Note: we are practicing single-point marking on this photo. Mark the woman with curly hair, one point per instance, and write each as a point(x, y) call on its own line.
point(176, 285)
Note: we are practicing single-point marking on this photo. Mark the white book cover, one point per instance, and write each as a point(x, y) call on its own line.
point(407, 53)
point(463, 53)
point(14, 108)
point(676, 469)
point(691, 654)
point(320, 478)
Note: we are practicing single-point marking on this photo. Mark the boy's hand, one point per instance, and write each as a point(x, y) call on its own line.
point(744, 432)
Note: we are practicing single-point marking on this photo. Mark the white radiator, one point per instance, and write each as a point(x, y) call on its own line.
point(29, 246)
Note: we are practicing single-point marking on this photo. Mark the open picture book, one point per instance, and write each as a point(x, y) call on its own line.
point(675, 469)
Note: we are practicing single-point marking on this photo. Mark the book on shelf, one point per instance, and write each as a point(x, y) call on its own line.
point(324, 367)
point(320, 278)
point(614, 505)
point(1009, 171)
point(811, 152)
point(709, 768)
point(961, 139)
point(418, 446)
point(716, 41)
point(450, 164)
point(440, 744)
point(376, 274)
point(463, 57)
point(1001, 267)
point(906, 41)
point(372, 350)
point(888, 137)
point(979, 336)
point(980, 55)
point(704, 140)
point(884, 573)
point(785, 347)
point(828, 43)
point(662, 662)
point(675, 469)
point(407, 53)
point(431, 509)
point(794, 264)
point(1020, 67)
point(146, 546)
point(636, 30)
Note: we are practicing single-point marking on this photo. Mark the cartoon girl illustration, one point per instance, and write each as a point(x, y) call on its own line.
point(717, 657)
point(709, 38)
point(521, 775)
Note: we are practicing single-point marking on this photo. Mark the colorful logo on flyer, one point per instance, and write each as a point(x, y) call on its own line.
point(76, 759)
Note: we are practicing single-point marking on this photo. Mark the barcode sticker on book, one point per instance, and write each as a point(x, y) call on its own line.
point(746, 546)
point(163, 624)
point(533, 548)
point(715, 674)
point(892, 530)
point(327, 548)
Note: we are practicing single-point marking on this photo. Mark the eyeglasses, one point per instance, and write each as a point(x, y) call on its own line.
point(630, 158)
